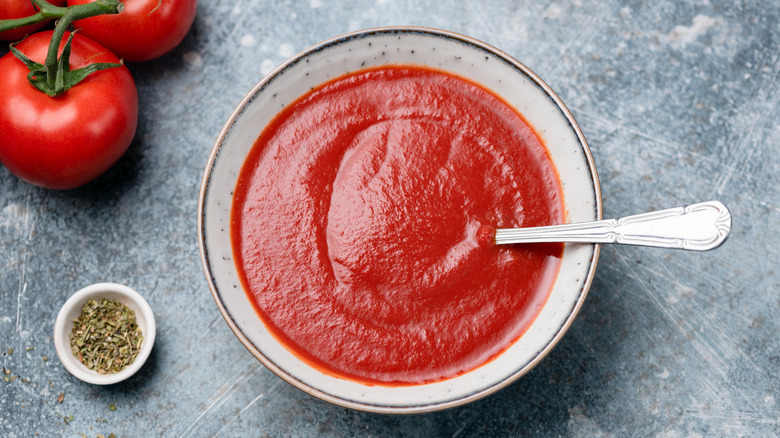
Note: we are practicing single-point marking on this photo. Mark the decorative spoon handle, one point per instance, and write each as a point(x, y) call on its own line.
point(697, 227)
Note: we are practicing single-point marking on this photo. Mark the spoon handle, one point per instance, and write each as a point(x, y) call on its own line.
point(697, 227)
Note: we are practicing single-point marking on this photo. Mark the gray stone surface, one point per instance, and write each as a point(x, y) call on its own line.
point(679, 101)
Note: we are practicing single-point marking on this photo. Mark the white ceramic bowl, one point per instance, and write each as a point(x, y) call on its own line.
point(464, 57)
point(72, 309)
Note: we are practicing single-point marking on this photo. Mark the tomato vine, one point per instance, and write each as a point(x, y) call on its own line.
point(54, 76)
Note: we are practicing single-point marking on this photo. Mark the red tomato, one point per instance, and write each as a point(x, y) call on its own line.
point(144, 30)
point(21, 9)
point(65, 141)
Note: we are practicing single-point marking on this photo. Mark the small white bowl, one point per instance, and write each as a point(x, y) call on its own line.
point(461, 56)
point(72, 309)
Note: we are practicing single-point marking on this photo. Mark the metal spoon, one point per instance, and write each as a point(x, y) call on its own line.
point(697, 227)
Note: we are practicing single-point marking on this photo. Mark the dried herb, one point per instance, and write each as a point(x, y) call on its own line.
point(61, 397)
point(105, 337)
point(67, 419)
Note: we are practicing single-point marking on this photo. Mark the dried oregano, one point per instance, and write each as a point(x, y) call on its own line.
point(105, 337)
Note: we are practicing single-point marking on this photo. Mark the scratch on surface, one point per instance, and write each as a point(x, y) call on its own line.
point(22, 290)
point(736, 415)
point(723, 339)
point(28, 227)
point(30, 391)
point(736, 422)
point(211, 326)
point(743, 152)
point(634, 273)
point(767, 205)
point(461, 429)
point(237, 7)
point(238, 23)
point(716, 351)
point(224, 392)
point(249, 405)
point(669, 148)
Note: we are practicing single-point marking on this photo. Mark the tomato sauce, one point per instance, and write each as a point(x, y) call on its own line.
point(362, 218)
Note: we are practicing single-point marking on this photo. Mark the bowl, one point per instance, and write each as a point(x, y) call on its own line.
point(72, 309)
point(443, 50)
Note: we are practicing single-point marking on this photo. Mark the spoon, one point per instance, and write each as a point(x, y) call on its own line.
point(698, 227)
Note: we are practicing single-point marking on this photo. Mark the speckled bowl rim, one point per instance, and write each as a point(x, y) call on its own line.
point(394, 409)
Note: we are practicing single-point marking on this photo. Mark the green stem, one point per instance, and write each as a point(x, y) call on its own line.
point(74, 13)
point(46, 11)
point(54, 76)
point(15, 23)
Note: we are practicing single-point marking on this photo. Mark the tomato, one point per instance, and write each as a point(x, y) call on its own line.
point(144, 30)
point(21, 9)
point(65, 141)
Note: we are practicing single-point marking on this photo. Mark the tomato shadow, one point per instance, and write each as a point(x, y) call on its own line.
point(147, 73)
point(116, 181)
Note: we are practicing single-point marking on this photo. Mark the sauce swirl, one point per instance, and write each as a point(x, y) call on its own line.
point(362, 225)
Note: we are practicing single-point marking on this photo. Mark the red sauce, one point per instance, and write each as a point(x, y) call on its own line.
point(362, 226)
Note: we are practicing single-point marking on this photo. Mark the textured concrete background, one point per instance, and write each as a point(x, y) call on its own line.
point(679, 101)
